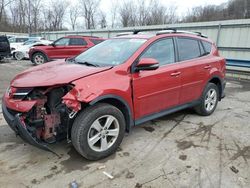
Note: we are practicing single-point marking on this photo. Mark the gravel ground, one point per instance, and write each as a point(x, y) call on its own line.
point(178, 150)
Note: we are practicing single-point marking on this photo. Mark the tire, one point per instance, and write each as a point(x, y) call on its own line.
point(208, 103)
point(39, 58)
point(18, 56)
point(83, 131)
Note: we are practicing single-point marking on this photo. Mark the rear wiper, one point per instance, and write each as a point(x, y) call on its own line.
point(87, 63)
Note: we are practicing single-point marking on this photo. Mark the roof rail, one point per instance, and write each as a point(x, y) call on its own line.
point(82, 36)
point(174, 30)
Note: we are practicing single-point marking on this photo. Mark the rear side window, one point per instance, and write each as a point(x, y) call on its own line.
point(3, 39)
point(162, 51)
point(21, 39)
point(77, 42)
point(207, 46)
point(188, 49)
point(96, 41)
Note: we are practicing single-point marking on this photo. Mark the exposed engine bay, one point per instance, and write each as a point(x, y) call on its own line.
point(49, 119)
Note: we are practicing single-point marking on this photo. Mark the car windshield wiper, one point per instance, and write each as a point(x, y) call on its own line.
point(87, 63)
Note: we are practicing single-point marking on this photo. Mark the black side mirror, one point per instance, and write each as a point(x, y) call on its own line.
point(147, 64)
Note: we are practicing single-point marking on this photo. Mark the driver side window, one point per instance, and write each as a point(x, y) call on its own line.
point(62, 42)
point(162, 51)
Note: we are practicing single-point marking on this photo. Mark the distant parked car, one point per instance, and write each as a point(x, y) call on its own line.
point(16, 41)
point(4, 47)
point(22, 51)
point(62, 48)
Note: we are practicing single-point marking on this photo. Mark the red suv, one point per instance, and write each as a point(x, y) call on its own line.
point(62, 48)
point(94, 98)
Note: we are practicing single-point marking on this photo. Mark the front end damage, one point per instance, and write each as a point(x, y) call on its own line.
point(41, 116)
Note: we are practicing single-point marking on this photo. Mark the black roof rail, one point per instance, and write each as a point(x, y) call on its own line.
point(174, 30)
point(82, 36)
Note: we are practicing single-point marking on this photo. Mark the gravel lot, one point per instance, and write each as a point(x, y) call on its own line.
point(179, 150)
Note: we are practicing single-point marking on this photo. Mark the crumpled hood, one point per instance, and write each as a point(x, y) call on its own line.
point(54, 73)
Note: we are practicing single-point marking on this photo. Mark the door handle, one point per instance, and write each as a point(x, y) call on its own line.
point(175, 73)
point(207, 67)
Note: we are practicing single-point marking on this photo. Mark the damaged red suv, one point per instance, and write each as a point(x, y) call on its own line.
point(94, 98)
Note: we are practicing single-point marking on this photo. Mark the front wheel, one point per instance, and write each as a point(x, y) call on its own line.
point(39, 58)
point(98, 131)
point(18, 56)
point(209, 100)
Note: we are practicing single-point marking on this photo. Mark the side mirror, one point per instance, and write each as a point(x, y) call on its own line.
point(147, 64)
point(52, 44)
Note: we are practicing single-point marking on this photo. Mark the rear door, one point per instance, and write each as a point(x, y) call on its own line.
point(157, 90)
point(76, 46)
point(192, 69)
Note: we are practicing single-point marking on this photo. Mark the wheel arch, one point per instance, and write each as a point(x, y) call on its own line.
point(219, 82)
point(121, 104)
point(39, 51)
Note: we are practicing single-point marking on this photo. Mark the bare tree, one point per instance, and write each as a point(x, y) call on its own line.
point(89, 12)
point(54, 15)
point(74, 14)
point(114, 11)
point(128, 13)
point(103, 21)
point(143, 11)
point(3, 5)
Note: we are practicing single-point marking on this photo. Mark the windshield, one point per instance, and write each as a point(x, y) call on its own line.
point(110, 52)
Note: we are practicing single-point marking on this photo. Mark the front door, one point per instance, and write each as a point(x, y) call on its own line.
point(157, 90)
point(59, 50)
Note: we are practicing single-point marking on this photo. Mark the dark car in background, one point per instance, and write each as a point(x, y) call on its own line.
point(4, 47)
point(65, 47)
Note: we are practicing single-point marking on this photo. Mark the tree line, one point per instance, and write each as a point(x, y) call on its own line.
point(29, 16)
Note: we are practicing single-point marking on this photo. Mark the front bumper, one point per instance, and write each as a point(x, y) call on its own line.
point(19, 127)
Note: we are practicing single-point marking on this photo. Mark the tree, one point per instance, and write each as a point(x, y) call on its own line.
point(54, 15)
point(74, 14)
point(128, 13)
point(114, 11)
point(103, 21)
point(89, 12)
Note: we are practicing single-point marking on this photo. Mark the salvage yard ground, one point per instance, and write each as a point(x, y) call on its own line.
point(179, 150)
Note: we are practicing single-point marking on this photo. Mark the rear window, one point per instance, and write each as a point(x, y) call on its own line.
point(188, 49)
point(207, 46)
point(96, 41)
point(3, 39)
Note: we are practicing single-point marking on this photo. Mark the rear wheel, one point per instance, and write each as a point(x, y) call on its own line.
point(209, 100)
point(98, 131)
point(39, 58)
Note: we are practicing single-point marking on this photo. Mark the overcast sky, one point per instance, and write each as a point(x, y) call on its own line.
point(182, 5)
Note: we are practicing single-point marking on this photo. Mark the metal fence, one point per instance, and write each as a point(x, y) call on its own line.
point(232, 36)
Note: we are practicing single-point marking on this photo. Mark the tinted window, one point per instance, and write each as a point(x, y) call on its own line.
point(62, 42)
point(3, 39)
point(207, 46)
point(77, 42)
point(162, 50)
point(96, 41)
point(21, 39)
point(188, 49)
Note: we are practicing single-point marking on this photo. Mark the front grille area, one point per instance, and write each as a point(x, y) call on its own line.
point(21, 93)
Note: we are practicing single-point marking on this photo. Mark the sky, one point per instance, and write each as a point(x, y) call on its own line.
point(182, 5)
